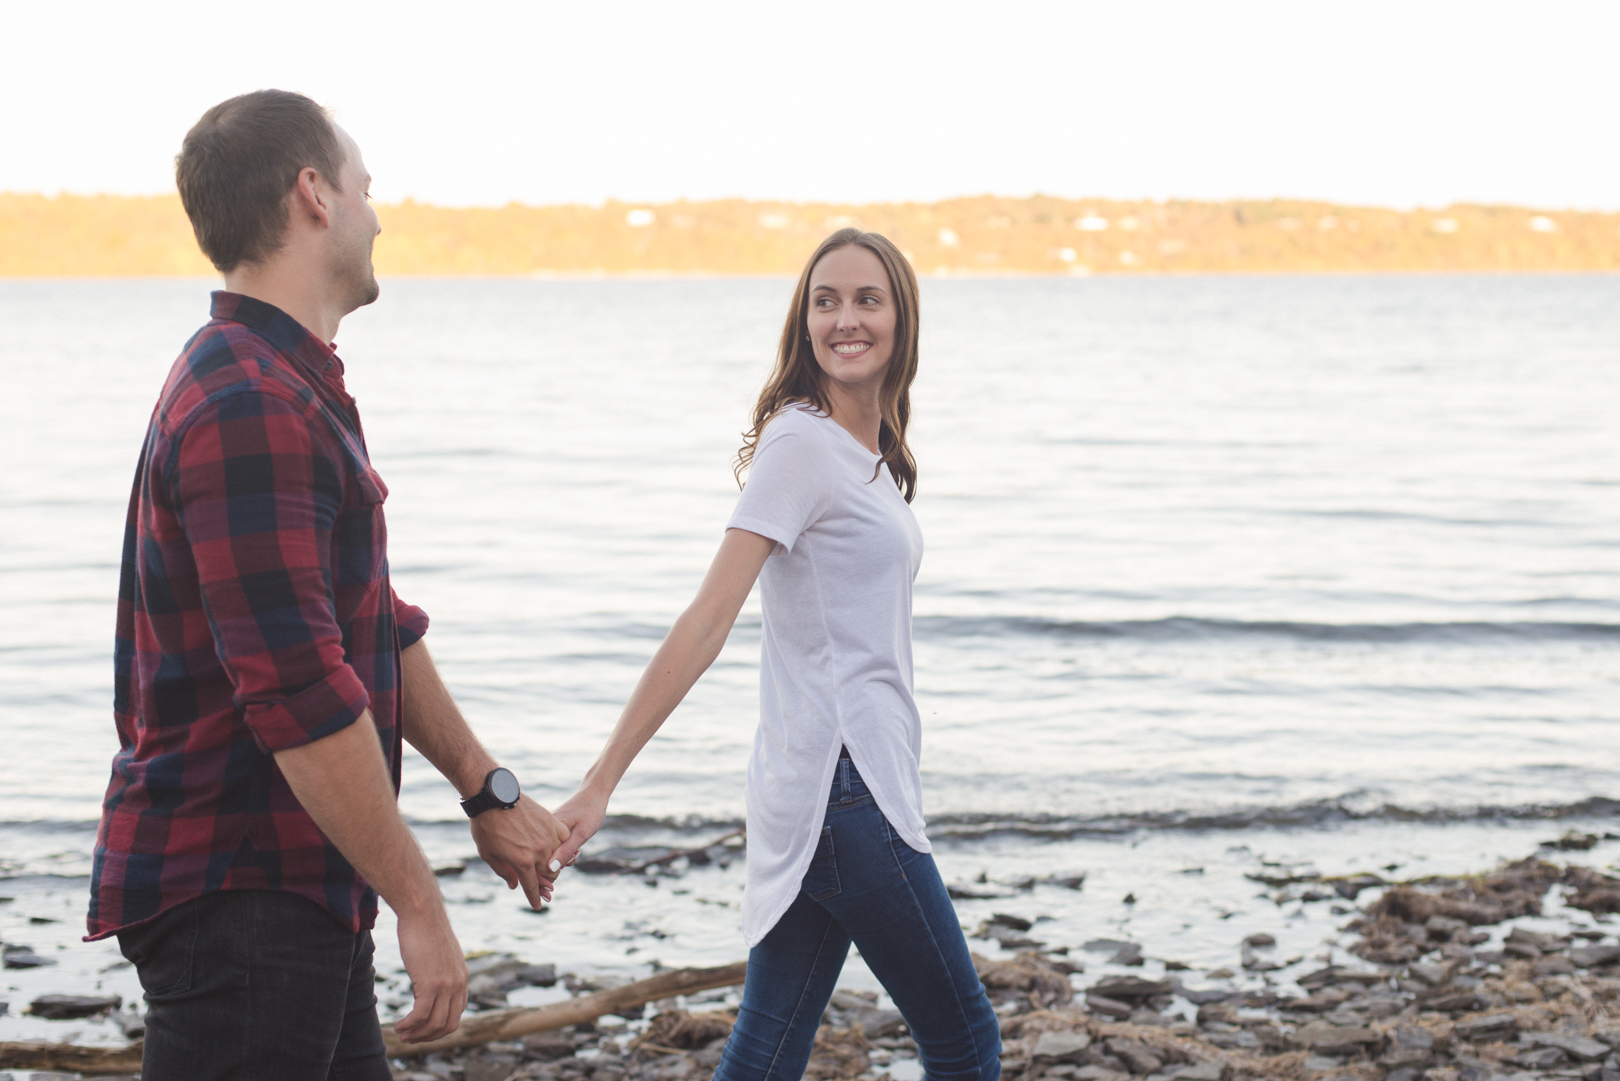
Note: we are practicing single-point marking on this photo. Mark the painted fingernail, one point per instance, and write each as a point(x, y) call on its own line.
point(555, 865)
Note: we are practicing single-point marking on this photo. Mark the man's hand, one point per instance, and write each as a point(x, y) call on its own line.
point(519, 845)
point(438, 975)
point(582, 815)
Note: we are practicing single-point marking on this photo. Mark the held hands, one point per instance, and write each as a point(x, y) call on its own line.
point(519, 845)
point(582, 815)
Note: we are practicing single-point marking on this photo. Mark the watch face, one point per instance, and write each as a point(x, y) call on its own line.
point(504, 786)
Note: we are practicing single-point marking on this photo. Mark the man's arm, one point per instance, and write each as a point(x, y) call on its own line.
point(518, 843)
point(257, 488)
point(343, 782)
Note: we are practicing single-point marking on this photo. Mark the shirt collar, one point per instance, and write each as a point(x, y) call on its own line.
point(281, 330)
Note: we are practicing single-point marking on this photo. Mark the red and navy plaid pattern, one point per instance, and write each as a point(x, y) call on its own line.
point(254, 614)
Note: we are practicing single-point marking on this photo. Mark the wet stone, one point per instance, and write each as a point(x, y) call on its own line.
point(1496, 1026)
point(1061, 1046)
point(1542, 1058)
point(1593, 956)
point(65, 1007)
point(1576, 1047)
point(1108, 1007)
point(18, 956)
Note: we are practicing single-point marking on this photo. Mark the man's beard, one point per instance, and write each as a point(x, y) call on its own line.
point(356, 278)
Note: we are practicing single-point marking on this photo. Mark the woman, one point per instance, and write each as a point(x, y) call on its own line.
point(836, 850)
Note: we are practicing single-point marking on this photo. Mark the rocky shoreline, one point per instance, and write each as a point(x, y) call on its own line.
point(1429, 1001)
point(1433, 995)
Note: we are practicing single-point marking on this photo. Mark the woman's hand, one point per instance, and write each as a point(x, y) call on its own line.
point(582, 815)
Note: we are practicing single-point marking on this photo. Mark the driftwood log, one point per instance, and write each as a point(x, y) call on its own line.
point(510, 1024)
point(34, 1055)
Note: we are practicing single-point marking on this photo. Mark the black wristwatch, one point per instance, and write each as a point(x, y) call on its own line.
point(501, 789)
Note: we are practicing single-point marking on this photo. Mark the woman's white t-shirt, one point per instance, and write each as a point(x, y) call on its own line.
point(835, 663)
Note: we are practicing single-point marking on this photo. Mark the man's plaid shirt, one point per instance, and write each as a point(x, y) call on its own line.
point(254, 614)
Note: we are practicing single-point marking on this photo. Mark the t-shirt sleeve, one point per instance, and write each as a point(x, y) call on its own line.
point(788, 488)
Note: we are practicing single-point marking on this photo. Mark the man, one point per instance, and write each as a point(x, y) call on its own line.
point(266, 672)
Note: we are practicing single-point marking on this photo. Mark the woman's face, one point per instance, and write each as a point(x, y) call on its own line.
point(852, 316)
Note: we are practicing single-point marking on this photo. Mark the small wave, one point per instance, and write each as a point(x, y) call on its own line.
point(1311, 814)
point(1192, 628)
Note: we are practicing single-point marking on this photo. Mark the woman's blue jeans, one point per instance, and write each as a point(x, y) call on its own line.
point(869, 887)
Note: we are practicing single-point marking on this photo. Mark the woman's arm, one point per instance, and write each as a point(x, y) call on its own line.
point(690, 647)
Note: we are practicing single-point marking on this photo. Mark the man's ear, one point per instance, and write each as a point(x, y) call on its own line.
point(310, 200)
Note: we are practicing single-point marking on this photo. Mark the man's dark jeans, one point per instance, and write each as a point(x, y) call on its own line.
point(256, 984)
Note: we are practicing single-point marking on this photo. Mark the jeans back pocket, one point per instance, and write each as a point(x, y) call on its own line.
point(821, 881)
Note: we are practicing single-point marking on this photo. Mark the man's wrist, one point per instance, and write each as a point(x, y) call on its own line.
point(469, 779)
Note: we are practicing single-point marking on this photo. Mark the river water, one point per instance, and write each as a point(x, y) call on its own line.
point(1219, 570)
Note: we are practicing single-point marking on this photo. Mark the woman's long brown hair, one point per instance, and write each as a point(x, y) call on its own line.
point(798, 378)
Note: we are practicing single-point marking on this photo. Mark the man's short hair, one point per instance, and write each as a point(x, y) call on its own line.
point(240, 162)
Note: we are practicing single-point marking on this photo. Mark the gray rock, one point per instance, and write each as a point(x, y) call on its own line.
point(1204, 998)
point(1576, 1047)
point(1542, 1058)
point(1543, 943)
point(1062, 1046)
point(1108, 1007)
point(130, 1023)
point(1472, 1069)
point(1321, 1062)
point(1449, 999)
point(65, 1007)
point(1253, 962)
point(1344, 1041)
point(489, 1067)
point(1556, 965)
point(548, 1045)
point(1494, 1026)
point(879, 1023)
point(1120, 952)
point(1009, 938)
point(538, 975)
point(1201, 1071)
point(1017, 923)
point(1137, 1056)
point(1403, 1058)
point(1242, 1040)
point(1130, 988)
point(1593, 956)
point(1403, 1073)
point(1430, 975)
point(18, 956)
point(1444, 928)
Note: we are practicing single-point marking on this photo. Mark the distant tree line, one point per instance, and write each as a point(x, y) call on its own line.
point(72, 235)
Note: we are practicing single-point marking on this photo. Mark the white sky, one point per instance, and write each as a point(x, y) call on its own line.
point(1398, 103)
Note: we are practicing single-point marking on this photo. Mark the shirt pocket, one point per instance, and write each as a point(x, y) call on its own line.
point(821, 881)
point(370, 487)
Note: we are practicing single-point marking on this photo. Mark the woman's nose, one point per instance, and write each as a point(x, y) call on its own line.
point(848, 318)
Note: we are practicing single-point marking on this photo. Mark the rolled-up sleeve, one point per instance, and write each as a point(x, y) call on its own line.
point(411, 621)
point(260, 497)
